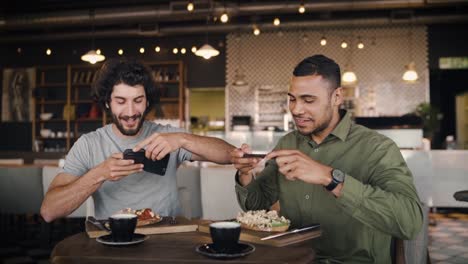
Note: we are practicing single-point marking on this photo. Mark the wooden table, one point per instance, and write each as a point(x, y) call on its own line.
point(168, 248)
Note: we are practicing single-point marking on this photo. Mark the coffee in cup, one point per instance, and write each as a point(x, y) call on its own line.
point(122, 227)
point(225, 236)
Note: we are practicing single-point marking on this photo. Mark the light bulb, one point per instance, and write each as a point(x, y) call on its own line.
point(120, 52)
point(190, 6)
point(256, 31)
point(344, 45)
point(276, 21)
point(302, 8)
point(157, 49)
point(224, 17)
point(98, 51)
point(323, 41)
point(410, 74)
point(360, 45)
point(175, 50)
point(142, 50)
point(183, 50)
point(194, 49)
point(48, 51)
point(349, 77)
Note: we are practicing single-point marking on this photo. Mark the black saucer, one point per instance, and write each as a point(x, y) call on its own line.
point(243, 249)
point(107, 240)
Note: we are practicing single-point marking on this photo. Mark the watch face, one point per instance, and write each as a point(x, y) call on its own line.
point(338, 175)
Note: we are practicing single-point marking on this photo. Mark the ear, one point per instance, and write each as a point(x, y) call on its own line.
point(338, 96)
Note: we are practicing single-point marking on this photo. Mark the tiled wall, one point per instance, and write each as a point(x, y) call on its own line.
point(268, 59)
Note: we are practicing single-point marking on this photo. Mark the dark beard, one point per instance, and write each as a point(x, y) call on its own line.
point(128, 132)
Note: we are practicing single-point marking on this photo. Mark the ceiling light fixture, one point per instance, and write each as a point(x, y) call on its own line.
point(92, 56)
point(183, 50)
point(360, 44)
point(323, 41)
point(276, 21)
point(190, 6)
point(120, 52)
point(256, 30)
point(410, 75)
point(48, 52)
point(344, 44)
point(142, 50)
point(207, 51)
point(194, 49)
point(302, 7)
point(224, 17)
point(175, 50)
point(239, 83)
point(349, 77)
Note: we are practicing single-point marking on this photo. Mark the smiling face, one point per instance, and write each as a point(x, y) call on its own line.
point(128, 105)
point(313, 105)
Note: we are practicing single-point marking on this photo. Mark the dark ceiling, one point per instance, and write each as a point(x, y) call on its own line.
point(67, 19)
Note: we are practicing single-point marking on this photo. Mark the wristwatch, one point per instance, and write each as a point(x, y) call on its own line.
point(337, 178)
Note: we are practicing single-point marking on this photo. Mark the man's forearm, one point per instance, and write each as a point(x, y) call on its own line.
point(62, 200)
point(208, 148)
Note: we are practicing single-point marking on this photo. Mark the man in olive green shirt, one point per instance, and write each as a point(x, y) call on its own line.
point(350, 179)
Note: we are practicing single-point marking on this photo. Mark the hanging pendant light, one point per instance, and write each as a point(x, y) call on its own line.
point(239, 82)
point(410, 74)
point(92, 56)
point(349, 77)
point(207, 51)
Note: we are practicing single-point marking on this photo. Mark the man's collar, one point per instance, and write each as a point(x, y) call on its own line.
point(342, 129)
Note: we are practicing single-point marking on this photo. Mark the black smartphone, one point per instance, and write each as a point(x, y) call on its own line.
point(251, 155)
point(157, 166)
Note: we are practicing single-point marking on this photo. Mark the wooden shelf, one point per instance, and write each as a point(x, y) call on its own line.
point(169, 100)
point(51, 102)
point(54, 120)
point(51, 85)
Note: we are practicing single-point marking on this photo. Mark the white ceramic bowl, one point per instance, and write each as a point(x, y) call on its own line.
point(45, 133)
point(46, 116)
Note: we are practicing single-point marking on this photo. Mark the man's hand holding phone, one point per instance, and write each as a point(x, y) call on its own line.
point(156, 166)
point(245, 162)
point(115, 167)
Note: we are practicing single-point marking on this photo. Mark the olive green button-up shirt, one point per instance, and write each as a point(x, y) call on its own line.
point(378, 201)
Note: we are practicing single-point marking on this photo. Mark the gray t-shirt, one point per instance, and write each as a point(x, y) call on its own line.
point(139, 190)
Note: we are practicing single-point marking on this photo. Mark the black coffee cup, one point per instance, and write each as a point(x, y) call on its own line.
point(225, 236)
point(122, 227)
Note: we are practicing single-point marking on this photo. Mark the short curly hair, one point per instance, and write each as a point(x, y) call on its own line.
point(130, 72)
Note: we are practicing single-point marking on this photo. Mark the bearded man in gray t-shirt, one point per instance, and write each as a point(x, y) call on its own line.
point(95, 165)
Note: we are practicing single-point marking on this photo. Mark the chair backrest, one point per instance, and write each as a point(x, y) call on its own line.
point(11, 161)
point(20, 190)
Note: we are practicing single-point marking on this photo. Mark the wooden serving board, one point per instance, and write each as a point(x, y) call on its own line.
point(182, 224)
point(255, 236)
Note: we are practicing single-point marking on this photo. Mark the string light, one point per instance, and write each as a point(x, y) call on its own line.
point(276, 21)
point(98, 51)
point(157, 49)
point(183, 50)
point(360, 44)
point(302, 8)
point(190, 6)
point(224, 17)
point(194, 49)
point(256, 30)
point(344, 45)
point(142, 50)
point(323, 41)
point(175, 50)
point(120, 52)
point(48, 52)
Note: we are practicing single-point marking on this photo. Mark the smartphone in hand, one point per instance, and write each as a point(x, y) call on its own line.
point(157, 166)
point(252, 155)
